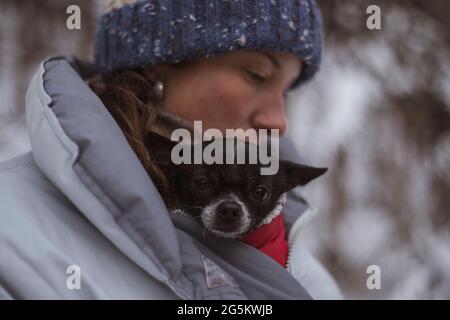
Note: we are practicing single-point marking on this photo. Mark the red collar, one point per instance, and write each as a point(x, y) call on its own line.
point(271, 239)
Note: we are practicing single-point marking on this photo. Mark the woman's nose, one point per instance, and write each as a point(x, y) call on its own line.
point(271, 115)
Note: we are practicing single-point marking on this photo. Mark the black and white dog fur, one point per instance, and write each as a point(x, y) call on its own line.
point(230, 200)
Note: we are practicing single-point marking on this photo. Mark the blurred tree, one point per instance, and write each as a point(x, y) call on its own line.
point(386, 198)
point(30, 31)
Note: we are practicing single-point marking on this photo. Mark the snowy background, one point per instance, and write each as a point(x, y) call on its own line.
point(378, 115)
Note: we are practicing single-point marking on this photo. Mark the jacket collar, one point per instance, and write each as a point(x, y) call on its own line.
point(80, 148)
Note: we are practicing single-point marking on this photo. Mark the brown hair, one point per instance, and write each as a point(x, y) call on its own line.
point(129, 95)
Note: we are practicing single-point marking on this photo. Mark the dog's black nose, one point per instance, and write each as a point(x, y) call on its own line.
point(229, 210)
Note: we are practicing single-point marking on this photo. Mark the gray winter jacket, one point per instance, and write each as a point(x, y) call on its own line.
point(81, 219)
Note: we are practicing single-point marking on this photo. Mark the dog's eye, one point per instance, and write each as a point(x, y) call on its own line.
point(201, 184)
point(261, 193)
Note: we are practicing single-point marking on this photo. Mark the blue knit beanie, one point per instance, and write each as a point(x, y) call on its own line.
point(150, 32)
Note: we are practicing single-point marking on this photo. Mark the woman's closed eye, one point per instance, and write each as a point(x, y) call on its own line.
point(257, 77)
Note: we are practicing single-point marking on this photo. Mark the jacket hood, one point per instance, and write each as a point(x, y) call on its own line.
point(82, 151)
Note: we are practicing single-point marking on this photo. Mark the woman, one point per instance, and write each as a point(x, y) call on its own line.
point(81, 217)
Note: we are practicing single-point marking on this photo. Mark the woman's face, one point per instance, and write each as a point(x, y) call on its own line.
point(240, 89)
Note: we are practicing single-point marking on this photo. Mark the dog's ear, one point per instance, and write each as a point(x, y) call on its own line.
point(298, 174)
point(160, 148)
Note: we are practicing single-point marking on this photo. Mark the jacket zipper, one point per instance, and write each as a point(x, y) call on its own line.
point(295, 233)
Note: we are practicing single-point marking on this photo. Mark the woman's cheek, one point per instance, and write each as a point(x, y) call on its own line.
point(238, 113)
point(221, 101)
point(241, 110)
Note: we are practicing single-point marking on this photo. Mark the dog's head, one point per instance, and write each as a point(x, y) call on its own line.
point(229, 199)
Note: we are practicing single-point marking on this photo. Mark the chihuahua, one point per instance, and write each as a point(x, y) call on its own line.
point(230, 200)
